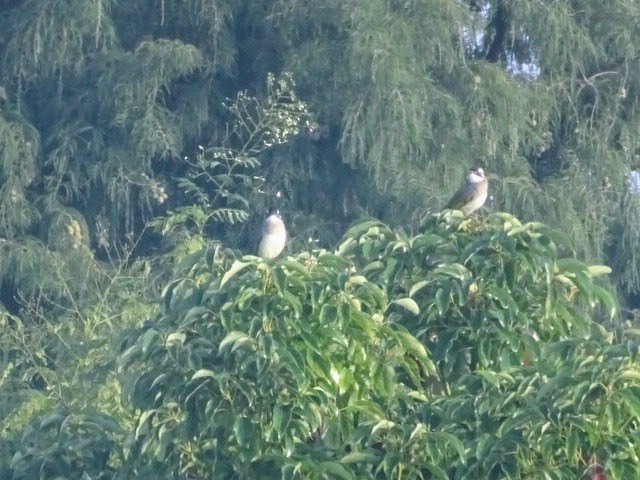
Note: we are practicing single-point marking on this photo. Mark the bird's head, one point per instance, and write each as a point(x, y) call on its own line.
point(272, 211)
point(273, 222)
point(476, 175)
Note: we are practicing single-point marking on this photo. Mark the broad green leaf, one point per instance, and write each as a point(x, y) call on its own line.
point(358, 280)
point(281, 418)
point(573, 443)
point(558, 238)
point(449, 440)
point(243, 430)
point(203, 373)
point(129, 355)
point(336, 470)
point(597, 270)
point(417, 287)
point(293, 301)
point(383, 425)
point(368, 408)
point(194, 314)
point(437, 472)
point(454, 270)
point(236, 267)
point(168, 291)
point(631, 397)
point(328, 313)
point(176, 337)
point(330, 261)
point(295, 266)
point(243, 301)
point(630, 374)
point(279, 279)
point(159, 380)
point(504, 297)
point(234, 339)
point(607, 300)
point(484, 446)
point(419, 431)
point(391, 271)
point(412, 345)
point(52, 420)
point(442, 301)
point(408, 304)
point(148, 338)
point(571, 265)
point(376, 292)
point(362, 226)
point(426, 240)
point(359, 457)
point(373, 267)
point(345, 245)
point(319, 365)
point(142, 423)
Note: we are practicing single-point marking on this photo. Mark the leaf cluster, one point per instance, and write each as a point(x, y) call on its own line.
point(466, 351)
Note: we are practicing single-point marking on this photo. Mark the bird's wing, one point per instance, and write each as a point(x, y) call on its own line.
point(460, 198)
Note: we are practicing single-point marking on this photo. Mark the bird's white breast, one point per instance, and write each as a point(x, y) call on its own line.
point(274, 237)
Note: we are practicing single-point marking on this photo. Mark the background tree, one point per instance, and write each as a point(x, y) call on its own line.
point(543, 93)
point(407, 96)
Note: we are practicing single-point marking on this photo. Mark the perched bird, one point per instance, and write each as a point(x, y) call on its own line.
point(274, 236)
point(472, 195)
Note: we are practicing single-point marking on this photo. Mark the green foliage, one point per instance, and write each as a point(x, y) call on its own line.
point(465, 351)
point(258, 368)
point(59, 396)
point(20, 145)
point(49, 455)
point(408, 94)
point(222, 181)
point(56, 36)
point(540, 92)
point(625, 255)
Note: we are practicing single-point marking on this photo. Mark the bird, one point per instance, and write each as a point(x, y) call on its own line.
point(274, 236)
point(472, 195)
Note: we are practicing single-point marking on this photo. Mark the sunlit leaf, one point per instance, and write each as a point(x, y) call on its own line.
point(362, 226)
point(417, 287)
point(176, 337)
point(203, 373)
point(383, 425)
point(408, 304)
point(236, 267)
point(234, 339)
point(597, 270)
point(295, 266)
